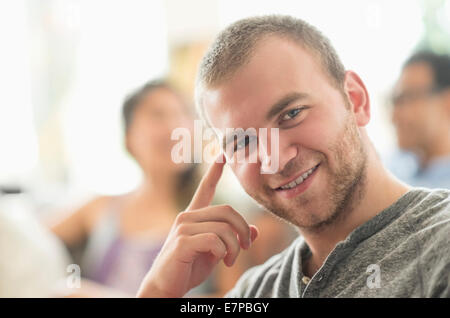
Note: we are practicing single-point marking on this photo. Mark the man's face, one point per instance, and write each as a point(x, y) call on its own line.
point(416, 113)
point(317, 130)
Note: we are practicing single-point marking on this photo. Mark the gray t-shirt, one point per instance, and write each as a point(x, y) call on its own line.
point(404, 251)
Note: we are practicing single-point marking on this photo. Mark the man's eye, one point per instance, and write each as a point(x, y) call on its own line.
point(241, 144)
point(291, 114)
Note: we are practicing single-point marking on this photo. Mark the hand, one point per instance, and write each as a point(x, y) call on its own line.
point(200, 237)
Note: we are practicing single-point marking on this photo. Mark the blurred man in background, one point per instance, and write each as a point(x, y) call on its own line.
point(421, 115)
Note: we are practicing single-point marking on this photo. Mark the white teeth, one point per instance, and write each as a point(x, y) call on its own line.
point(299, 179)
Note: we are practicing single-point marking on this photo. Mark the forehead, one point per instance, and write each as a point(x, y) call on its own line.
point(416, 75)
point(277, 67)
point(159, 95)
point(161, 98)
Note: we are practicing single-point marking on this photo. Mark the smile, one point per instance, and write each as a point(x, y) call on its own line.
point(299, 180)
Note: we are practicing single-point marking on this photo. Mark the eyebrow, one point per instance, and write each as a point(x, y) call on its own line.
point(283, 102)
point(276, 108)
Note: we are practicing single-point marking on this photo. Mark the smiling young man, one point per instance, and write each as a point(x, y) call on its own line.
point(363, 232)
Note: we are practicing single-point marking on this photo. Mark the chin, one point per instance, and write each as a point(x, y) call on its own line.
point(306, 212)
point(404, 144)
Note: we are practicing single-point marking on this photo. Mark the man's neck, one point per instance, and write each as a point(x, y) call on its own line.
point(381, 191)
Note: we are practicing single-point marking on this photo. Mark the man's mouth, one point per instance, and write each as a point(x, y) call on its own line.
point(298, 180)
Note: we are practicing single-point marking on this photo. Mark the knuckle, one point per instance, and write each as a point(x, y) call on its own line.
point(227, 207)
point(181, 217)
point(224, 227)
point(180, 242)
point(212, 238)
point(181, 229)
point(217, 247)
point(235, 248)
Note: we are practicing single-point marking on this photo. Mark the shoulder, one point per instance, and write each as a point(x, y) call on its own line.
point(262, 280)
point(92, 211)
point(98, 203)
point(428, 217)
point(90, 206)
point(429, 208)
point(430, 223)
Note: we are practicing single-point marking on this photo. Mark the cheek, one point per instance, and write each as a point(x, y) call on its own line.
point(406, 120)
point(318, 134)
point(248, 175)
point(152, 134)
point(323, 134)
point(146, 143)
point(415, 114)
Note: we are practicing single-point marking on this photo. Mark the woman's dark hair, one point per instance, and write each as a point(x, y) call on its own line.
point(134, 99)
point(188, 179)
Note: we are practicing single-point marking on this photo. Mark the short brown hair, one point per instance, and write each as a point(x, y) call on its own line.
point(234, 46)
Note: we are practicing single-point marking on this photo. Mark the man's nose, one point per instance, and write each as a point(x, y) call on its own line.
point(285, 152)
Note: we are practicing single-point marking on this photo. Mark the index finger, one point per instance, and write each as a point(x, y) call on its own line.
point(207, 187)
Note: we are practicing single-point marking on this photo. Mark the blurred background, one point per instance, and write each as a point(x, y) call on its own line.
point(67, 65)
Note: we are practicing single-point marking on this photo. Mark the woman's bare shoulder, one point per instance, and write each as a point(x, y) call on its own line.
point(95, 209)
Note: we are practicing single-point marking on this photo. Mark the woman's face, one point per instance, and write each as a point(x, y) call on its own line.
point(148, 139)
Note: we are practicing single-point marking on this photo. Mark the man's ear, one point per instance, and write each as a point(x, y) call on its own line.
point(358, 97)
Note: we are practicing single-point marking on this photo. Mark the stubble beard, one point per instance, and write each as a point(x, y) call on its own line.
point(346, 187)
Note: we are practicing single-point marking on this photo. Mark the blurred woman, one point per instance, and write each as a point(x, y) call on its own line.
point(125, 233)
